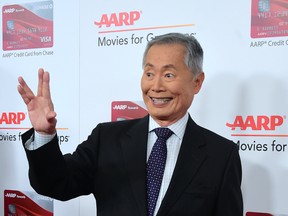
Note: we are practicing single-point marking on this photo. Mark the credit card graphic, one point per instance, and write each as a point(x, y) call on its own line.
point(27, 26)
point(26, 204)
point(269, 18)
point(263, 214)
point(257, 214)
point(124, 110)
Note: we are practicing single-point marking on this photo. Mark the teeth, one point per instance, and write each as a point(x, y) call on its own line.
point(161, 100)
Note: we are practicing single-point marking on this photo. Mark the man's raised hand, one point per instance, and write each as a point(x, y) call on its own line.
point(40, 106)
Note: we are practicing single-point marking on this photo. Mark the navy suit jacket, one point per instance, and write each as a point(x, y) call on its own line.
point(111, 164)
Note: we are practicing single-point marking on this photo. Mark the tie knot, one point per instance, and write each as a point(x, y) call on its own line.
point(163, 133)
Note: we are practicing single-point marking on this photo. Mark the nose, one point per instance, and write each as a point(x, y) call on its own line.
point(158, 84)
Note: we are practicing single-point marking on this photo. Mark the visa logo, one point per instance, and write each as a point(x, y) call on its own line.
point(12, 117)
point(257, 122)
point(120, 107)
point(119, 19)
point(46, 39)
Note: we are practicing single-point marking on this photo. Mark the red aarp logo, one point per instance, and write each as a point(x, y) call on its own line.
point(118, 19)
point(257, 123)
point(12, 117)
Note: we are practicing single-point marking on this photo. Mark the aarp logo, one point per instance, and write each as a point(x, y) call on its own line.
point(118, 19)
point(257, 123)
point(120, 107)
point(12, 118)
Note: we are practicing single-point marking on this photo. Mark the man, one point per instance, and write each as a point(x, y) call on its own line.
point(202, 175)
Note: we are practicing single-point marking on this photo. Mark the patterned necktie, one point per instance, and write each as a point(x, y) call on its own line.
point(155, 167)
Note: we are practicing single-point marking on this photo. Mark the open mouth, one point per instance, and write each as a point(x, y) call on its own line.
point(160, 100)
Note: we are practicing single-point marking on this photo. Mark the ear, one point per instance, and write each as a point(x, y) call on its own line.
point(198, 82)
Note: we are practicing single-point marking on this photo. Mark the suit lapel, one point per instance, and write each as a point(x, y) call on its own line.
point(190, 158)
point(134, 145)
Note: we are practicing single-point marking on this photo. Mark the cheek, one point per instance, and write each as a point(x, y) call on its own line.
point(185, 95)
point(144, 86)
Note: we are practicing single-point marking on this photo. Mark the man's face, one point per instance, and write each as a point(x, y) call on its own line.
point(168, 86)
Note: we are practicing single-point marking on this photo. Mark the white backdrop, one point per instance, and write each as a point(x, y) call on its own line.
point(97, 54)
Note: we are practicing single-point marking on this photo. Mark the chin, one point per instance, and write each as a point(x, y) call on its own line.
point(160, 116)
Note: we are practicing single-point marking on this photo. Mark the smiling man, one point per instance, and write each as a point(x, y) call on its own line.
point(163, 164)
point(168, 84)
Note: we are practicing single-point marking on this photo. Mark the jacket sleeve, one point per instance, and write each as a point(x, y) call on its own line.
point(62, 177)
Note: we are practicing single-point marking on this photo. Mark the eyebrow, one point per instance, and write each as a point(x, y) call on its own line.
point(148, 65)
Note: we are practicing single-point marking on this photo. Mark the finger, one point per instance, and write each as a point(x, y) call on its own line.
point(24, 90)
point(23, 94)
point(40, 81)
point(46, 86)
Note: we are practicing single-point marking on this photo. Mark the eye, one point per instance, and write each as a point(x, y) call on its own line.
point(149, 75)
point(169, 75)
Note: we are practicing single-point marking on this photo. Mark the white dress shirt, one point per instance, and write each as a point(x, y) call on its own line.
point(37, 140)
point(173, 147)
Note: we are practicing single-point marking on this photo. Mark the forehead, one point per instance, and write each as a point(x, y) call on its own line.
point(166, 57)
point(165, 52)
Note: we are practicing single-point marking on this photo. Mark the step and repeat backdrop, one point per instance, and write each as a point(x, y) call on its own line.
point(93, 50)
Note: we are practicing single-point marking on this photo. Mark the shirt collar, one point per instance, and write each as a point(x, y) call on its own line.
point(178, 127)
